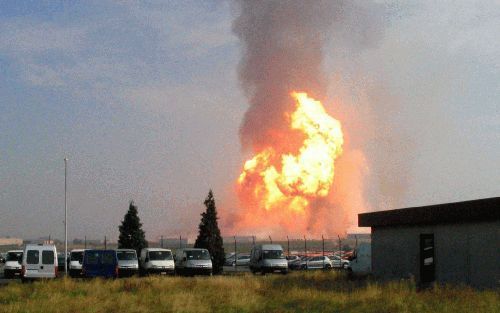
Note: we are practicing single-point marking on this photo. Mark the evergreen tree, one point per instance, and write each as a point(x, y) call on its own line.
point(209, 236)
point(131, 234)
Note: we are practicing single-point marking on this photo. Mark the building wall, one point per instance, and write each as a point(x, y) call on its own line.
point(464, 253)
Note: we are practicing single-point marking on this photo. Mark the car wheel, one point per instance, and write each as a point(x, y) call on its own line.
point(327, 266)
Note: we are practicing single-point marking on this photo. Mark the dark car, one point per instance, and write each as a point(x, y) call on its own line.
point(100, 263)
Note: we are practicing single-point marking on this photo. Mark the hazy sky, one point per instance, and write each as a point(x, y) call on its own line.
point(144, 100)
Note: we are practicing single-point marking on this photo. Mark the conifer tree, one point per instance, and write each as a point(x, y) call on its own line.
point(209, 234)
point(131, 234)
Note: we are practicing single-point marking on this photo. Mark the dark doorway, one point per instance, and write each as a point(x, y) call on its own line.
point(427, 259)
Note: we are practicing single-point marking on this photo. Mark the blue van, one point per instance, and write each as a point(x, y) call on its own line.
point(100, 263)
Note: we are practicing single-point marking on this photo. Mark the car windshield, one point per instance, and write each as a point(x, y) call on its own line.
point(160, 255)
point(245, 256)
point(77, 256)
point(14, 256)
point(126, 255)
point(273, 254)
point(197, 255)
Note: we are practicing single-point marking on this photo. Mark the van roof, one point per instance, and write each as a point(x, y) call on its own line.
point(270, 247)
point(78, 250)
point(156, 249)
point(125, 250)
point(39, 245)
point(191, 249)
point(15, 251)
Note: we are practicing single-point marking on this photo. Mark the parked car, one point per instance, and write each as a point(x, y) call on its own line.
point(339, 263)
point(75, 263)
point(229, 259)
point(242, 259)
point(268, 258)
point(193, 261)
point(156, 261)
point(297, 263)
point(128, 264)
point(12, 266)
point(100, 263)
point(292, 258)
point(316, 262)
point(39, 261)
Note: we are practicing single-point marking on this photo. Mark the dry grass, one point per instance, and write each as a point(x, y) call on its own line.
point(297, 292)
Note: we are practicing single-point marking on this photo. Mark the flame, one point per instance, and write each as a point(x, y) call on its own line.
point(274, 181)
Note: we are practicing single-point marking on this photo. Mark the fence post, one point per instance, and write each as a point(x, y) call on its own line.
point(253, 239)
point(323, 249)
point(340, 250)
point(180, 241)
point(288, 245)
point(105, 243)
point(305, 245)
point(270, 239)
point(235, 255)
point(85, 242)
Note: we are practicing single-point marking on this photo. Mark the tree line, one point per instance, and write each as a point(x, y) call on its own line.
point(132, 236)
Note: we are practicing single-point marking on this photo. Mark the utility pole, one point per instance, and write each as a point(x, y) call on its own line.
point(161, 241)
point(105, 243)
point(180, 241)
point(253, 240)
point(65, 216)
point(85, 242)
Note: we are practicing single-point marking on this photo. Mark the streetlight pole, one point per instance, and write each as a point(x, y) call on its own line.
point(65, 216)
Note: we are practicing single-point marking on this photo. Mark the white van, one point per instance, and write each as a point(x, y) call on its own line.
point(268, 259)
point(12, 266)
point(75, 263)
point(193, 261)
point(156, 261)
point(128, 265)
point(39, 261)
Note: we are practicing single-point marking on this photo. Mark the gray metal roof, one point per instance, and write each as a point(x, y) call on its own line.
point(457, 212)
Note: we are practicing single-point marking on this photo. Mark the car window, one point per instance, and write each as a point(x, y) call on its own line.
point(48, 257)
point(33, 257)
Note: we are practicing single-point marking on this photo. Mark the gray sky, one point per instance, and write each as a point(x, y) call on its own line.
point(145, 101)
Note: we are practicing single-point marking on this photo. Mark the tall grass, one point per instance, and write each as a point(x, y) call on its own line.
point(297, 292)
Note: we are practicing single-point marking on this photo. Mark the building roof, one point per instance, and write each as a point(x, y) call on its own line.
point(457, 212)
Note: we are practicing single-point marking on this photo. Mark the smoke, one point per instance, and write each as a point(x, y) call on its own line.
point(283, 46)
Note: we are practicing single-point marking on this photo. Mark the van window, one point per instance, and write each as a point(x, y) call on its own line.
point(273, 254)
point(126, 255)
point(108, 258)
point(14, 256)
point(160, 255)
point(47, 257)
point(92, 258)
point(77, 256)
point(197, 255)
point(32, 257)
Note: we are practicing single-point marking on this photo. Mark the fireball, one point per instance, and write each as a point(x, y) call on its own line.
point(278, 182)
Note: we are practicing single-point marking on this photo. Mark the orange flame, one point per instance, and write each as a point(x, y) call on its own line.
point(287, 182)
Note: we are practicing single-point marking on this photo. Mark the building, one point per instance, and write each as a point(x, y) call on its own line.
point(447, 243)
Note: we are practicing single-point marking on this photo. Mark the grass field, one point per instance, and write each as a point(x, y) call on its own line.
point(297, 292)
